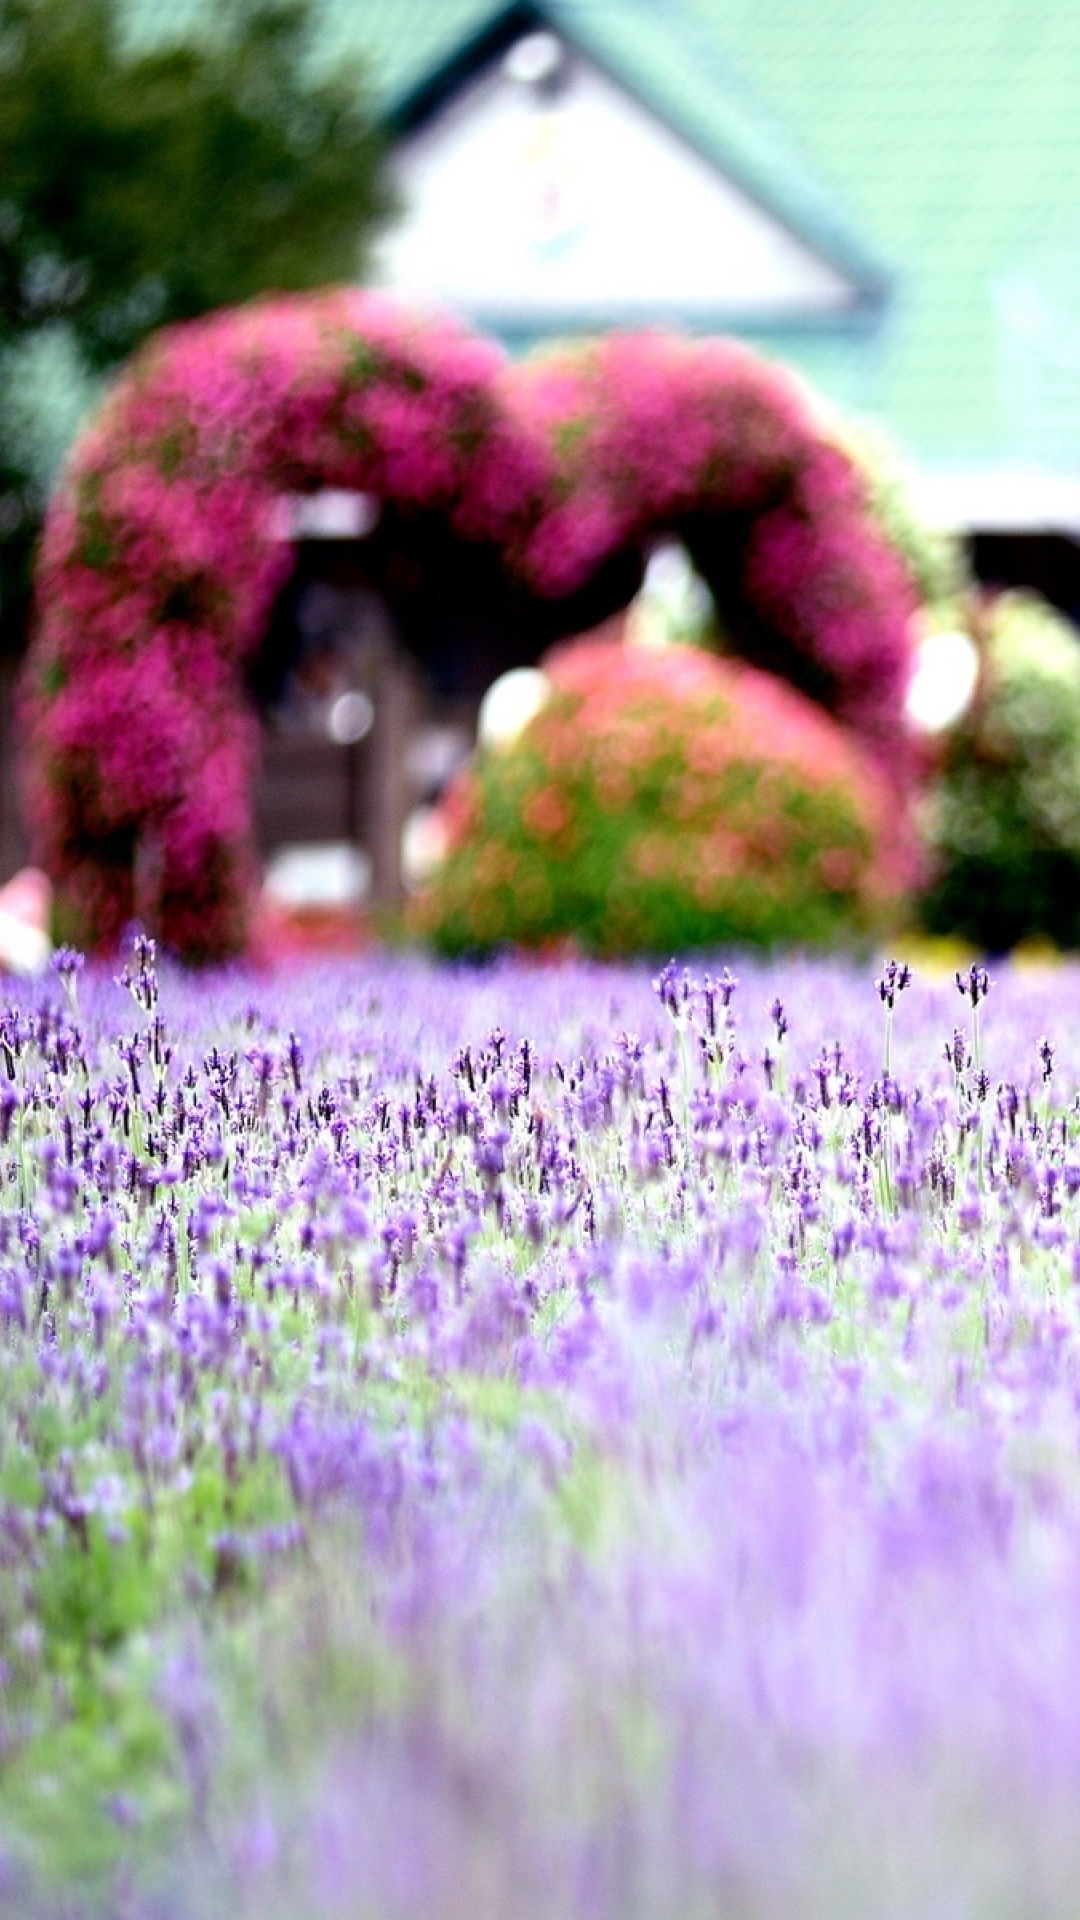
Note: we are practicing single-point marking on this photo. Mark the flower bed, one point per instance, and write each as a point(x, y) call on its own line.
point(158, 569)
point(662, 800)
point(519, 1441)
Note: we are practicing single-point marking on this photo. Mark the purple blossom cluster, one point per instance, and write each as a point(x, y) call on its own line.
point(540, 1441)
point(158, 568)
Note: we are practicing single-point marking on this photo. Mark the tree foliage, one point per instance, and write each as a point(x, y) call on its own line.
point(147, 183)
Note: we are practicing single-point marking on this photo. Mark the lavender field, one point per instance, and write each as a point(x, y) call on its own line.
point(543, 1442)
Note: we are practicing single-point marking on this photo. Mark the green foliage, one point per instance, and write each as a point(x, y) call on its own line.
point(1004, 818)
point(145, 185)
point(72, 1795)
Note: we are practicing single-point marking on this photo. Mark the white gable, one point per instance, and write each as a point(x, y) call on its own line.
point(524, 209)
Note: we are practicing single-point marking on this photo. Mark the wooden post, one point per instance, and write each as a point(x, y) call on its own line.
point(389, 792)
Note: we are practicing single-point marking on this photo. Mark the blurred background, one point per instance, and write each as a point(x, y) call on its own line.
point(886, 201)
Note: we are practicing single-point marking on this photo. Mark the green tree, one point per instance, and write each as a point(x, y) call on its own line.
point(146, 182)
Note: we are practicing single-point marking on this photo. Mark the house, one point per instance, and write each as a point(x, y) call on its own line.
point(888, 200)
point(574, 169)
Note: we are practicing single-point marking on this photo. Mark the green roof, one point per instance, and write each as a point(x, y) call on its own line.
point(951, 128)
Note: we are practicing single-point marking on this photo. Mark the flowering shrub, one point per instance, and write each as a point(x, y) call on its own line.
point(662, 799)
point(1003, 817)
point(651, 432)
point(519, 1443)
point(158, 570)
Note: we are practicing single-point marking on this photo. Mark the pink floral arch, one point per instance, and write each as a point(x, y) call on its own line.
point(159, 567)
point(651, 432)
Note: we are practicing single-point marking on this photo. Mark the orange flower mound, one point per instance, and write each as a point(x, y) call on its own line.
point(666, 799)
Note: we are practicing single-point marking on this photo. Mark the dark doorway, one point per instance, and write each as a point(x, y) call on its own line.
point(405, 628)
point(1047, 562)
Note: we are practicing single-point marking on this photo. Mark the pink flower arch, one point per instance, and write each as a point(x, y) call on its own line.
point(651, 432)
point(158, 569)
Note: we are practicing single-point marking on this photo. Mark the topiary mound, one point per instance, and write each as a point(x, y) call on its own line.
point(1003, 820)
point(663, 799)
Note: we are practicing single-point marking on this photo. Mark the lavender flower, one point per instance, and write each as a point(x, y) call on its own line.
point(579, 1420)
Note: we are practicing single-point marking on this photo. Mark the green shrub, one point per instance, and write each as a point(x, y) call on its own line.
point(1003, 820)
point(663, 799)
